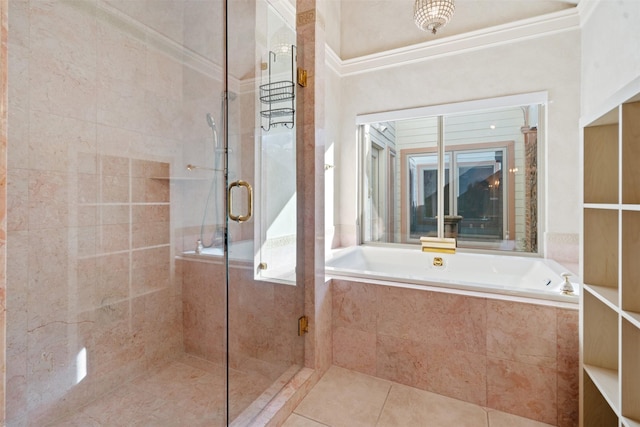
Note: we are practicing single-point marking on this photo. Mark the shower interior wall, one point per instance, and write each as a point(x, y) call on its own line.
point(107, 101)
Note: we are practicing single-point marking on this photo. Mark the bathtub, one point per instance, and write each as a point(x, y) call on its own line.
point(469, 273)
point(241, 255)
point(238, 251)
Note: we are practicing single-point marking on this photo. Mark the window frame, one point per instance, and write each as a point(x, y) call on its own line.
point(451, 150)
point(539, 98)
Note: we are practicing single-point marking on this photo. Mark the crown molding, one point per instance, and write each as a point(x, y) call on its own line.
point(586, 8)
point(333, 61)
point(531, 28)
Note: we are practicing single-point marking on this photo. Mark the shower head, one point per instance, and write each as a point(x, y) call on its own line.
point(210, 121)
point(214, 129)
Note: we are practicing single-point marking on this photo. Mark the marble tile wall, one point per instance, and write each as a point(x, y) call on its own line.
point(263, 338)
point(3, 198)
point(94, 113)
point(515, 357)
point(262, 317)
point(310, 177)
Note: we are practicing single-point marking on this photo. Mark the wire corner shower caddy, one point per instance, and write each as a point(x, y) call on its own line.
point(278, 96)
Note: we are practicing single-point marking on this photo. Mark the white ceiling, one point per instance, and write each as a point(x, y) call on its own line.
point(371, 26)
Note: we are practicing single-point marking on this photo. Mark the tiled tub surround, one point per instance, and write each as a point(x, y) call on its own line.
point(263, 337)
point(516, 357)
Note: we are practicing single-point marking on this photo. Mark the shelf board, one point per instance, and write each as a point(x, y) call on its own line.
point(630, 207)
point(607, 381)
point(609, 296)
point(633, 318)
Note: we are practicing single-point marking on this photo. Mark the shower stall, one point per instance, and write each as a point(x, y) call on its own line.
point(151, 242)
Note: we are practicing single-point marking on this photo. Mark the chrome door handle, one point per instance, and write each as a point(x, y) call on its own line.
point(232, 216)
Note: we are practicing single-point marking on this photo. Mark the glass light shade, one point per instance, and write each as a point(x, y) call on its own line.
point(433, 14)
point(282, 42)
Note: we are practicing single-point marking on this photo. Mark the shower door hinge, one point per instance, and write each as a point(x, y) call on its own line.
point(302, 77)
point(303, 325)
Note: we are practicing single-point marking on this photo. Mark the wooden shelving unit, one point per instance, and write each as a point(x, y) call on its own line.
point(610, 317)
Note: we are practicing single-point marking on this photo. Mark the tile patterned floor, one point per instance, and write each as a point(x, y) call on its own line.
point(186, 392)
point(351, 399)
point(190, 392)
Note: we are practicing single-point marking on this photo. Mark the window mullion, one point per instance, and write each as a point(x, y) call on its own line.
point(441, 177)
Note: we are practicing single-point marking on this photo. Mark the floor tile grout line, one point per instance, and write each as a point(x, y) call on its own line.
point(486, 413)
point(386, 398)
point(311, 419)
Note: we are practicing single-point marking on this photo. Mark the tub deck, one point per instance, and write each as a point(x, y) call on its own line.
point(512, 276)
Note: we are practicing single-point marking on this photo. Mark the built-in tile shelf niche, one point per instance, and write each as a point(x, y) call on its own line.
point(611, 269)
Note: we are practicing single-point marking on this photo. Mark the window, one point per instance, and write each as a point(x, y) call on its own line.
point(481, 164)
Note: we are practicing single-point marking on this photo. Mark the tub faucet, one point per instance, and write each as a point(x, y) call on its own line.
point(567, 287)
point(445, 245)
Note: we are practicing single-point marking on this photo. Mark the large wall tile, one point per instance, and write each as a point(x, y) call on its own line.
point(522, 389)
point(512, 356)
point(402, 312)
point(355, 350)
point(48, 200)
point(402, 360)
point(458, 320)
point(510, 334)
point(354, 306)
point(456, 373)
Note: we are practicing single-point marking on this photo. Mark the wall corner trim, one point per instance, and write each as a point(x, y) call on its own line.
point(531, 28)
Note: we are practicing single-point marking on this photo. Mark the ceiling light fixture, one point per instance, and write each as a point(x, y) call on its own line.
point(433, 14)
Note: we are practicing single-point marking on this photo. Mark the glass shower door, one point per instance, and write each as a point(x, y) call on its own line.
point(115, 314)
point(264, 350)
point(131, 295)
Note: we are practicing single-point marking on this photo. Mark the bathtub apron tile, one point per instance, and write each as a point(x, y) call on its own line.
point(568, 398)
point(354, 350)
point(403, 361)
point(568, 368)
point(568, 340)
point(458, 321)
point(402, 313)
point(522, 333)
point(456, 373)
point(354, 305)
point(522, 389)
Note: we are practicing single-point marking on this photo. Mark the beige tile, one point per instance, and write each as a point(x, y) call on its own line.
point(459, 321)
point(408, 406)
point(521, 332)
point(402, 313)
point(502, 419)
point(48, 199)
point(402, 360)
point(296, 420)
point(457, 373)
point(354, 349)
point(354, 305)
point(345, 398)
point(568, 398)
point(526, 390)
point(18, 200)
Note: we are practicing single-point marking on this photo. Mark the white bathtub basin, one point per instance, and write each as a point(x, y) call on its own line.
point(498, 274)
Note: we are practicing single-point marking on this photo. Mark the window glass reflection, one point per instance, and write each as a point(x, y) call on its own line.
point(487, 202)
